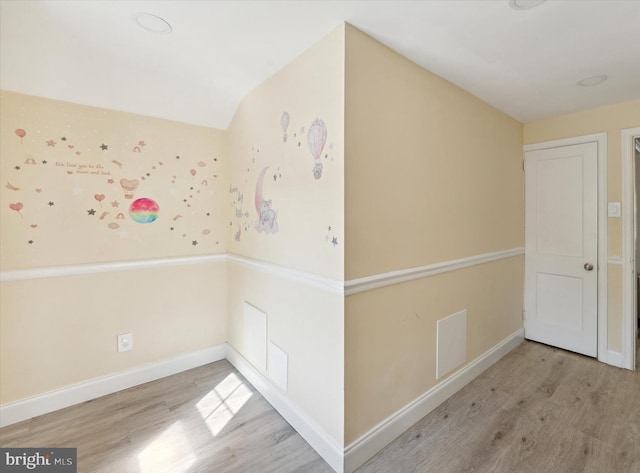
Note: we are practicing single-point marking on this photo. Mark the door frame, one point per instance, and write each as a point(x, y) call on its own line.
point(629, 277)
point(601, 139)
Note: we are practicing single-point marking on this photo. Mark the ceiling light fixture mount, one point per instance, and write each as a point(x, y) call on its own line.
point(152, 23)
point(592, 81)
point(524, 4)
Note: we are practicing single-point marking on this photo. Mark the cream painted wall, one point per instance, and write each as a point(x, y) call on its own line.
point(62, 203)
point(308, 209)
point(390, 347)
point(432, 174)
point(60, 331)
point(303, 227)
point(71, 202)
point(611, 120)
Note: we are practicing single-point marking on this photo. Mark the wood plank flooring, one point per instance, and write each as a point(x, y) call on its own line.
point(209, 419)
point(538, 410)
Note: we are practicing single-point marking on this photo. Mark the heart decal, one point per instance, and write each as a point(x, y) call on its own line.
point(17, 207)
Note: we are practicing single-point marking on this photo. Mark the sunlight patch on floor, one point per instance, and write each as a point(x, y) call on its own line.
point(170, 452)
point(219, 406)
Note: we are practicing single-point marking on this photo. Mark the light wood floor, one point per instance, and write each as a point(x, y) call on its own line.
point(206, 420)
point(538, 410)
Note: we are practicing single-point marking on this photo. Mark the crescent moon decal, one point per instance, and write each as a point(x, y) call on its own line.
point(259, 197)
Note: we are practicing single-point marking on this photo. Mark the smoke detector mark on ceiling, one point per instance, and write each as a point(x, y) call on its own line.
point(592, 81)
point(524, 4)
point(152, 23)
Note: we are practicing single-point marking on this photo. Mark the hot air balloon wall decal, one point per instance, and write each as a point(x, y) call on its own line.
point(129, 187)
point(316, 139)
point(284, 124)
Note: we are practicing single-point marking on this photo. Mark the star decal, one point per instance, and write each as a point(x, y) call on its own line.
point(110, 181)
point(50, 204)
point(115, 203)
point(104, 147)
point(334, 241)
point(30, 242)
point(141, 143)
point(51, 143)
point(91, 212)
point(194, 242)
point(38, 190)
point(17, 168)
point(44, 161)
point(64, 138)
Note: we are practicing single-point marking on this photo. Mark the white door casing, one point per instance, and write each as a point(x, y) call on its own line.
point(561, 247)
point(629, 281)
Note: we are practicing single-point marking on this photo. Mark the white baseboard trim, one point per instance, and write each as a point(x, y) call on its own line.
point(24, 409)
point(307, 428)
point(614, 358)
point(364, 448)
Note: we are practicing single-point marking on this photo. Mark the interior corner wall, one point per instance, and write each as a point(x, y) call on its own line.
point(611, 120)
point(72, 179)
point(432, 174)
point(286, 229)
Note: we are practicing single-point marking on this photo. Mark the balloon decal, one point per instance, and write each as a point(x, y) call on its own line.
point(129, 187)
point(21, 134)
point(316, 139)
point(284, 124)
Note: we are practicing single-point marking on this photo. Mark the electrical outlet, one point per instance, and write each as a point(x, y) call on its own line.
point(125, 342)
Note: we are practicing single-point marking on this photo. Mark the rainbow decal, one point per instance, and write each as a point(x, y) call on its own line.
point(144, 210)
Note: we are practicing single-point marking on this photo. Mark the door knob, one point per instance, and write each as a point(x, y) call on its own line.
point(588, 266)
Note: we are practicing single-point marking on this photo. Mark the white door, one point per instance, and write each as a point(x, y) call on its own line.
point(561, 247)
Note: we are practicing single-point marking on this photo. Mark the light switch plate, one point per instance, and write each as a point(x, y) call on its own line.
point(614, 209)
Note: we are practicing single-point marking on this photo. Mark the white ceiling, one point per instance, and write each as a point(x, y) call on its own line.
point(525, 63)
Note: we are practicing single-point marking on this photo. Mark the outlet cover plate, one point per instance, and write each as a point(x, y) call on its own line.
point(125, 342)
